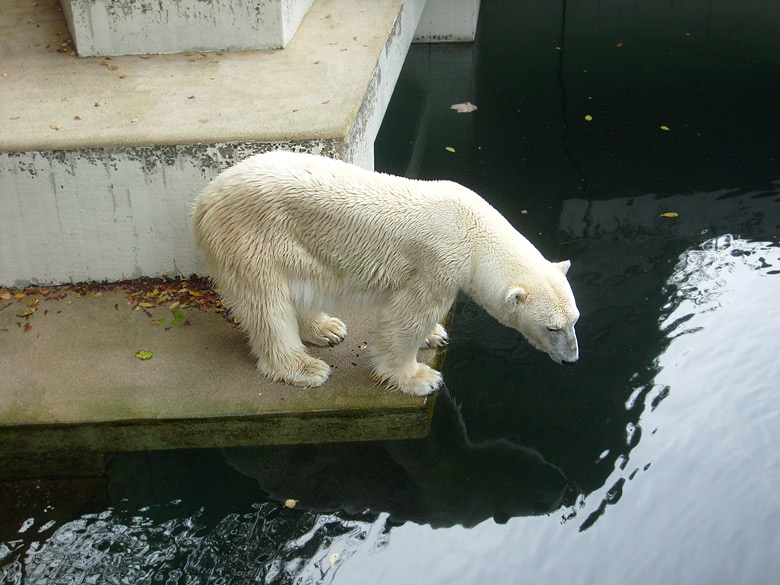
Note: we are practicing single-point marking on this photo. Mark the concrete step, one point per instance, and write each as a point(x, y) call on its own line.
point(72, 384)
point(107, 27)
point(100, 159)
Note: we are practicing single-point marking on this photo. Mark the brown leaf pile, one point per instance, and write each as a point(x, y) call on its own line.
point(195, 292)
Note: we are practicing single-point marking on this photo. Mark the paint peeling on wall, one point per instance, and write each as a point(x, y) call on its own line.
point(71, 216)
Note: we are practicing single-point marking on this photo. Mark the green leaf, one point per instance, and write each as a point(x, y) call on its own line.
point(143, 354)
point(178, 317)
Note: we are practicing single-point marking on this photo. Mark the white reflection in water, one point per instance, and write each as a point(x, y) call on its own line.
point(697, 502)
point(260, 546)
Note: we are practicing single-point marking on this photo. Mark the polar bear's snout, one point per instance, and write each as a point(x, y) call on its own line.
point(563, 348)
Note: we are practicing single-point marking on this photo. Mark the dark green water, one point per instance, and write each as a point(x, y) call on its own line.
point(653, 460)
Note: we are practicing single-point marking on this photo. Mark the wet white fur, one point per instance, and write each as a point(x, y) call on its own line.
point(288, 236)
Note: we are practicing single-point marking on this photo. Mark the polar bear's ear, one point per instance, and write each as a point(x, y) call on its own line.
point(516, 297)
point(563, 266)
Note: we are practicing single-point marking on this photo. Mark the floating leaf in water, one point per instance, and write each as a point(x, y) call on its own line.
point(449, 149)
point(290, 503)
point(142, 354)
point(665, 128)
point(588, 118)
point(463, 108)
point(670, 214)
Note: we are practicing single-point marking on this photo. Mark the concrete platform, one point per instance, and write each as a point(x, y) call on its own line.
point(72, 386)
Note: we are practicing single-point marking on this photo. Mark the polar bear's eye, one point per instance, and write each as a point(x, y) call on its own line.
point(553, 329)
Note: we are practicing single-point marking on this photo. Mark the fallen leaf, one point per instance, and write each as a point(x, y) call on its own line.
point(290, 503)
point(588, 118)
point(449, 149)
point(620, 44)
point(142, 354)
point(178, 317)
point(463, 108)
point(670, 214)
point(666, 128)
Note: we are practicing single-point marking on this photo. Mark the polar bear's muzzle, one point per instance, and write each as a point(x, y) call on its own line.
point(565, 350)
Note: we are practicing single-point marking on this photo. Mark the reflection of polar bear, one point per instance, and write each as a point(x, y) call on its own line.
point(287, 236)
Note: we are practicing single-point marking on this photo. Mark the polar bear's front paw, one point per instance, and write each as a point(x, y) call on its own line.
point(437, 338)
point(304, 371)
point(419, 380)
point(323, 330)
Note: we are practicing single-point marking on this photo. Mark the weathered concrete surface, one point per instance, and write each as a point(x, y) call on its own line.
point(313, 89)
point(133, 27)
point(72, 386)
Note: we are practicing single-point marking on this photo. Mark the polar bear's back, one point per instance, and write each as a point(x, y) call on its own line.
point(326, 221)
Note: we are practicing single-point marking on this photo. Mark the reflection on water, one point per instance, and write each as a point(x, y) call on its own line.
point(347, 497)
point(268, 544)
point(441, 480)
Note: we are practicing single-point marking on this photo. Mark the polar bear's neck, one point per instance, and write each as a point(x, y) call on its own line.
point(502, 258)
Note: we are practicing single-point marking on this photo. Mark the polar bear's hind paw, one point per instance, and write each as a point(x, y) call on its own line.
point(323, 330)
point(305, 372)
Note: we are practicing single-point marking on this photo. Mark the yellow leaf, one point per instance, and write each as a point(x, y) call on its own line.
point(588, 118)
point(449, 149)
point(670, 214)
point(290, 503)
point(665, 128)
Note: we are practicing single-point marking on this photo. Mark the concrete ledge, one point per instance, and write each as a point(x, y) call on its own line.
point(133, 27)
point(71, 382)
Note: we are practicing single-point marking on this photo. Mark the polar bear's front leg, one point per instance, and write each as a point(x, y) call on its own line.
point(403, 327)
point(436, 338)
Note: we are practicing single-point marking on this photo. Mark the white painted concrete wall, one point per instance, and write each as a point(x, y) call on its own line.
point(136, 27)
point(448, 21)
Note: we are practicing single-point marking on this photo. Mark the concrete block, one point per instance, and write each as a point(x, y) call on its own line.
point(96, 179)
point(137, 27)
point(448, 21)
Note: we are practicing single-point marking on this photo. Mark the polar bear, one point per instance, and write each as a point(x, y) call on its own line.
point(287, 236)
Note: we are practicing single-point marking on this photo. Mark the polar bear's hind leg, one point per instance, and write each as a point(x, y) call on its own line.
point(321, 329)
point(269, 319)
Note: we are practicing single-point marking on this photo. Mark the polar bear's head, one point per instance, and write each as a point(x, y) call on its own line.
point(544, 311)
